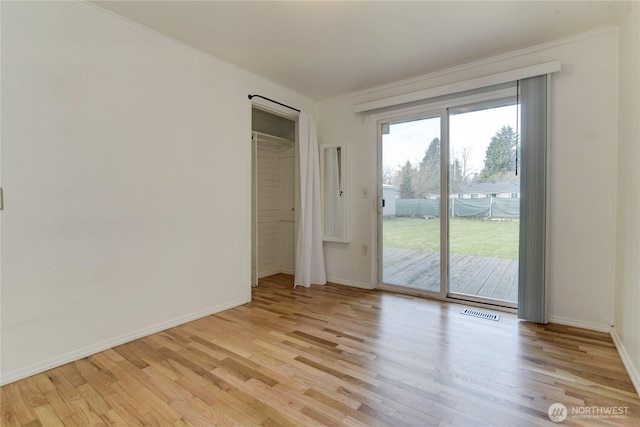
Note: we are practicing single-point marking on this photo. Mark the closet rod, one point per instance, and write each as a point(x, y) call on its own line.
point(276, 102)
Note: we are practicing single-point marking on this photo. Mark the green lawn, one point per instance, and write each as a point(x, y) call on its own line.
point(466, 236)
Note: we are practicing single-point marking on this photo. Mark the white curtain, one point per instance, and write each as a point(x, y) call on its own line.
point(309, 267)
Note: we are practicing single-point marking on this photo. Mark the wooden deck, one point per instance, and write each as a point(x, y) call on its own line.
point(495, 278)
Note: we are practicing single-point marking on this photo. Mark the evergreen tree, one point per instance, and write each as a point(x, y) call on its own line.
point(500, 157)
point(407, 190)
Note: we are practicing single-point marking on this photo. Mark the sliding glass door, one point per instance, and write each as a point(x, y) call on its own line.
point(410, 214)
point(450, 199)
point(484, 202)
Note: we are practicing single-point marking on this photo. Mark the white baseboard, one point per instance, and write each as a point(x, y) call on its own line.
point(626, 359)
point(622, 351)
point(267, 273)
point(353, 284)
point(277, 270)
point(54, 362)
point(598, 327)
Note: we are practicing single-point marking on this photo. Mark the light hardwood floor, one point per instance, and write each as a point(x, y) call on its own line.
point(333, 355)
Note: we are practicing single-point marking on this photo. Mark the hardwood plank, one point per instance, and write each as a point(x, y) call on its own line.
point(31, 394)
point(19, 409)
point(47, 416)
point(111, 417)
point(85, 414)
point(357, 417)
point(153, 419)
point(125, 410)
point(333, 355)
point(74, 421)
point(43, 382)
point(7, 411)
point(59, 404)
point(94, 399)
point(158, 406)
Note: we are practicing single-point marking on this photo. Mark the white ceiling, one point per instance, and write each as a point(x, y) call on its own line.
point(327, 48)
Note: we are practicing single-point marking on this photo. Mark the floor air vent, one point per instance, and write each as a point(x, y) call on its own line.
point(481, 314)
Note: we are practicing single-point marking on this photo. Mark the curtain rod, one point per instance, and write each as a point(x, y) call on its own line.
point(276, 102)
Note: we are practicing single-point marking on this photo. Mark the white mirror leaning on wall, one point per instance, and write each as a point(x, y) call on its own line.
point(334, 195)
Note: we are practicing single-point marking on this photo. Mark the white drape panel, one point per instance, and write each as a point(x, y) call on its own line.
point(532, 284)
point(309, 267)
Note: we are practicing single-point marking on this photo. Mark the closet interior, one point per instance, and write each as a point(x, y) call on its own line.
point(274, 194)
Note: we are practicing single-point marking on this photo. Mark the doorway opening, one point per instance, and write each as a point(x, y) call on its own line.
point(274, 195)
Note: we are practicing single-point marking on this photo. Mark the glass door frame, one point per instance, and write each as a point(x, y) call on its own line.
point(492, 102)
point(405, 116)
point(439, 109)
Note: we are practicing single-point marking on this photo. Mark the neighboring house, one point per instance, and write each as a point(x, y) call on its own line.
point(479, 190)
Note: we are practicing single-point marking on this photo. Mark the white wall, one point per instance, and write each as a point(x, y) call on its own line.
point(583, 163)
point(627, 302)
point(114, 143)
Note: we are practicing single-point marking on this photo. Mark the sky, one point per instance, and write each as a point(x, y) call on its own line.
point(410, 140)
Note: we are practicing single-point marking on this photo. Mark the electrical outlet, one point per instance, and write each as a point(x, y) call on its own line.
point(364, 250)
